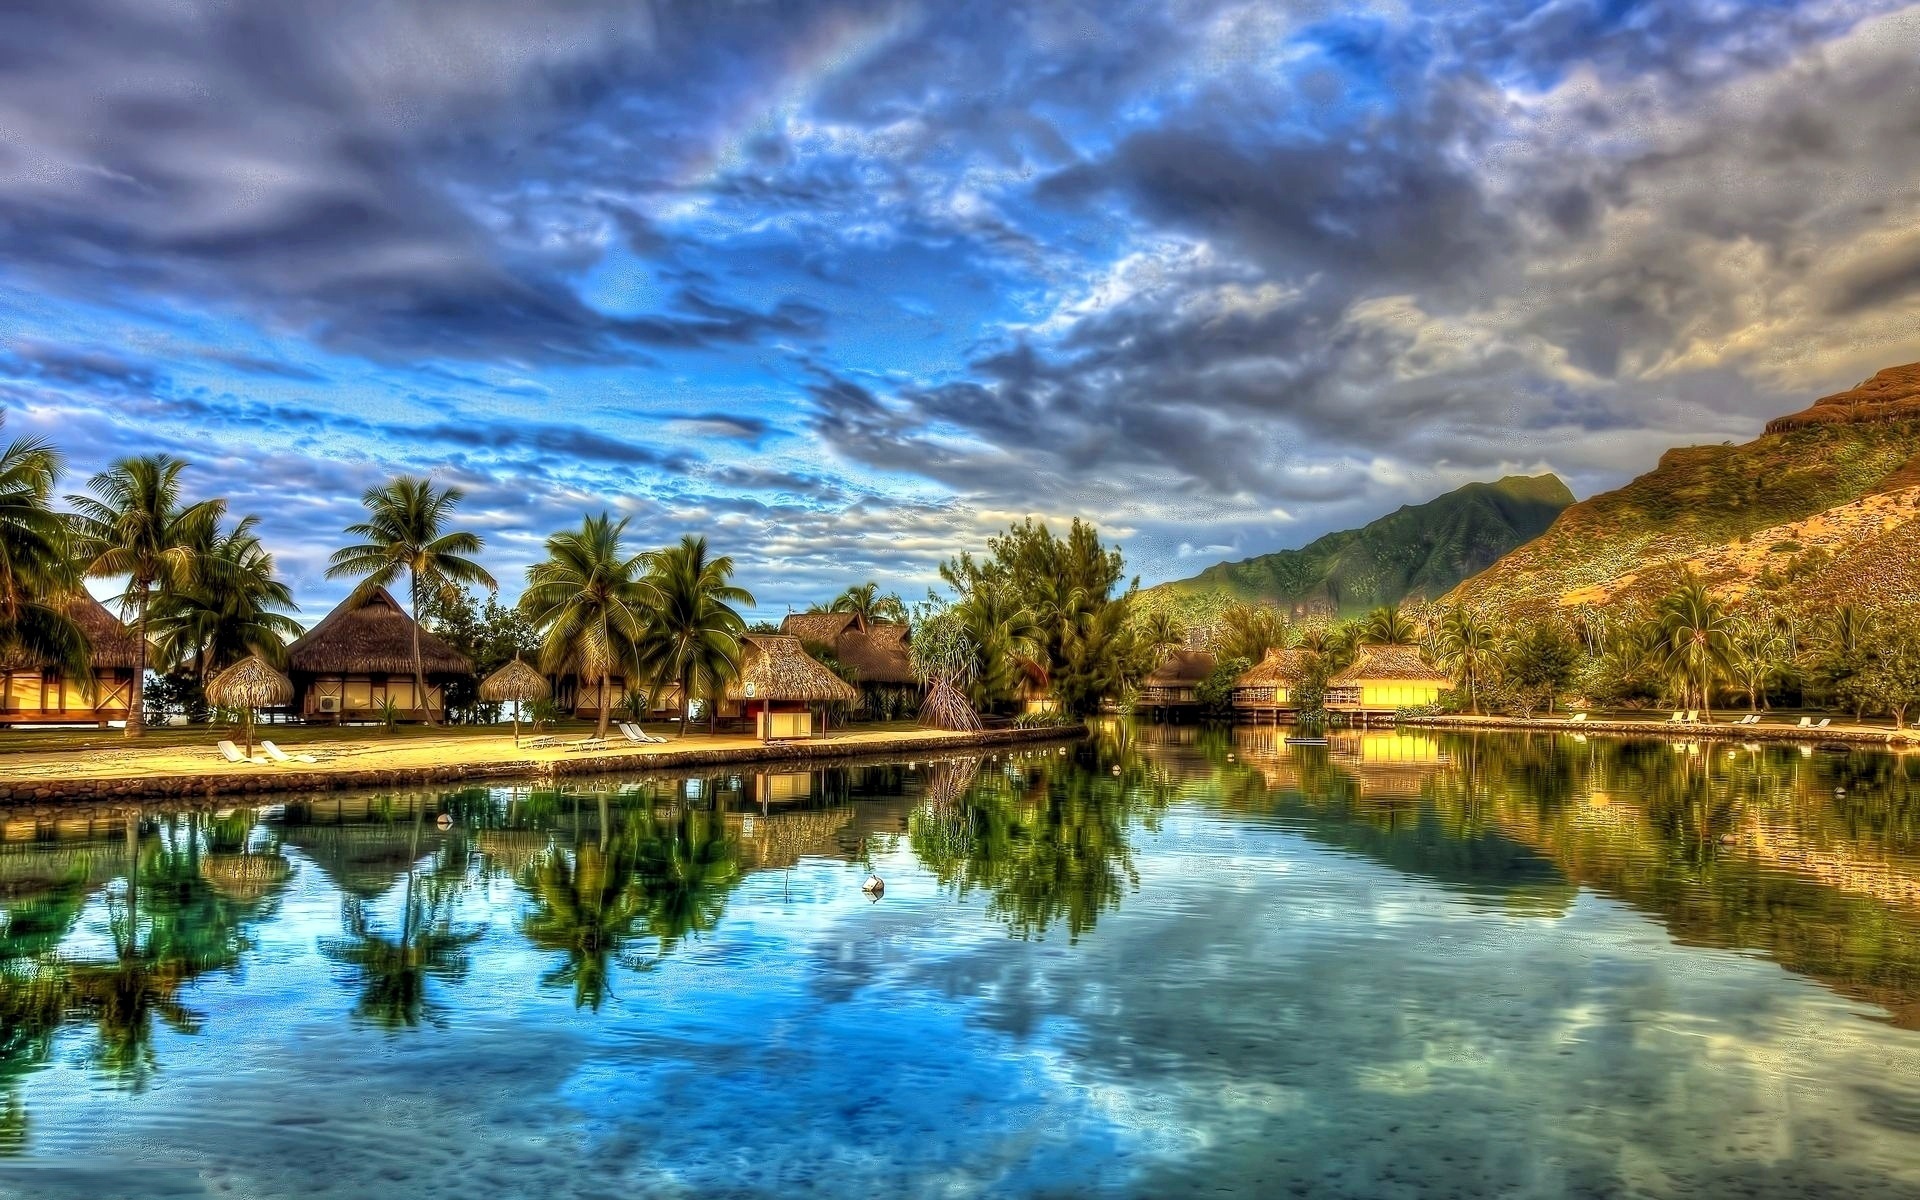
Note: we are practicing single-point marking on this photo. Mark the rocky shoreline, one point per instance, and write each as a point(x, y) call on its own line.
point(1719, 731)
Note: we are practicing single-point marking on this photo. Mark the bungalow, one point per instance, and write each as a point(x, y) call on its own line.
point(36, 693)
point(875, 651)
point(778, 685)
point(1174, 685)
point(1383, 679)
point(360, 657)
point(1267, 690)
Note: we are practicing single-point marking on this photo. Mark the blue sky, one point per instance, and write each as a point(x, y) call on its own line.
point(847, 286)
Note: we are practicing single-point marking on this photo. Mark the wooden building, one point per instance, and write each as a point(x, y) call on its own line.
point(1266, 691)
point(360, 656)
point(778, 686)
point(36, 693)
point(1383, 679)
point(875, 651)
point(1173, 687)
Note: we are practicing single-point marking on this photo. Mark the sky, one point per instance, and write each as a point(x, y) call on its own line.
point(847, 287)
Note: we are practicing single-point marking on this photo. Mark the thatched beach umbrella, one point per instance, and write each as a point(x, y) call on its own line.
point(515, 684)
point(247, 685)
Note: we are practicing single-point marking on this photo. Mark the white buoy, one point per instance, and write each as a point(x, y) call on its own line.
point(874, 886)
point(445, 821)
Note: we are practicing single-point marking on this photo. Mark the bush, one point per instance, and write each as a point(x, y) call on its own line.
point(1786, 547)
point(1416, 712)
point(1044, 720)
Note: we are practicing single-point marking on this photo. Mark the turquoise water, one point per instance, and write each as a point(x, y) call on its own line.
point(1162, 963)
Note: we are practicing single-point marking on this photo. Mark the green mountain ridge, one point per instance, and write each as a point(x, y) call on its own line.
point(1420, 550)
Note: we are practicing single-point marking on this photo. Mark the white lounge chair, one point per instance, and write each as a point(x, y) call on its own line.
point(232, 754)
point(638, 735)
point(1577, 717)
point(1823, 722)
point(1693, 716)
point(281, 756)
point(1805, 723)
point(595, 742)
point(1676, 718)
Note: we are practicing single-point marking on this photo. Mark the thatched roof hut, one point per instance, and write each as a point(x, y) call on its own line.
point(115, 646)
point(877, 650)
point(515, 682)
point(1397, 663)
point(776, 667)
point(1182, 669)
point(249, 683)
point(1280, 668)
point(371, 634)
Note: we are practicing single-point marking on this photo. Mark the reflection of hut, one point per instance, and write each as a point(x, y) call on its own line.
point(1383, 679)
point(360, 657)
point(778, 685)
point(773, 841)
point(33, 692)
point(1174, 686)
point(1267, 690)
point(875, 651)
point(363, 860)
point(782, 787)
point(249, 877)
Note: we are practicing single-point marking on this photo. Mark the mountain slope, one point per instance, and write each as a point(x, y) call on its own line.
point(1420, 550)
point(1804, 513)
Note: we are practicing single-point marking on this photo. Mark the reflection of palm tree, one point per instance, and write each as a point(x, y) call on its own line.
point(586, 909)
point(685, 867)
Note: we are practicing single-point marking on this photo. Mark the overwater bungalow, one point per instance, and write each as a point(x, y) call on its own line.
point(780, 684)
point(37, 693)
point(1266, 692)
point(876, 652)
point(360, 656)
point(1174, 686)
point(1383, 679)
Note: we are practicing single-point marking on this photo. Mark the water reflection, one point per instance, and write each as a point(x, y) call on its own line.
point(1189, 957)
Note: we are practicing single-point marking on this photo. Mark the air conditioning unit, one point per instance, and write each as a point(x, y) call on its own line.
point(329, 704)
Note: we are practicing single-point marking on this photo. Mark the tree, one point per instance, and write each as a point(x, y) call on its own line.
point(233, 607)
point(589, 603)
point(1891, 680)
point(1467, 646)
point(406, 533)
point(36, 562)
point(864, 600)
point(1538, 664)
point(1696, 635)
point(1006, 640)
point(1388, 626)
point(1215, 692)
point(694, 636)
point(135, 526)
point(1756, 657)
point(488, 634)
point(1248, 631)
point(1841, 649)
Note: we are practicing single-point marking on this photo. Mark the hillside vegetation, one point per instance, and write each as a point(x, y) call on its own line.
point(1419, 551)
point(1810, 511)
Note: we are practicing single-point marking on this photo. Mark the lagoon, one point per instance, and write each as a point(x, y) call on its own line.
point(1166, 961)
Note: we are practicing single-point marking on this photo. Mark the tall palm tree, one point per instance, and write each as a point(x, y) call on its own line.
point(589, 602)
point(36, 563)
point(1388, 626)
point(694, 637)
point(213, 626)
point(865, 601)
point(1758, 656)
point(1696, 636)
point(135, 526)
point(1467, 644)
point(406, 532)
point(1008, 642)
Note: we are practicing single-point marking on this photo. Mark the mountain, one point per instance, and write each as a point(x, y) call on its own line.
point(1419, 551)
point(1821, 508)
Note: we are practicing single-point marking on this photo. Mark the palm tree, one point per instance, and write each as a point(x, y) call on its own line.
point(1467, 644)
point(1007, 642)
point(865, 601)
point(1697, 637)
point(247, 612)
point(589, 602)
point(1387, 626)
point(1758, 656)
point(36, 564)
point(134, 526)
point(694, 637)
point(406, 532)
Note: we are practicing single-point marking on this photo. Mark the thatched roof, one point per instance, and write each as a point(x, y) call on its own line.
point(1280, 668)
point(249, 683)
point(515, 681)
point(877, 651)
point(1182, 668)
point(777, 668)
point(114, 645)
point(1389, 662)
point(371, 635)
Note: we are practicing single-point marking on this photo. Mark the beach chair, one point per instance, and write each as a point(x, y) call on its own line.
point(232, 754)
point(1676, 718)
point(590, 743)
point(1823, 722)
point(1693, 716)
point(1805, 723)
point(281, 756)
point(639, 736)
point(1577, 718)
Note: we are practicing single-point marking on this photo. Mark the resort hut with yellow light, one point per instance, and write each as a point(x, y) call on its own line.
point(33, 692)
point(360, 657)
point(1267, 690)
point(778, 685)
point(1383, 679)
point(1173, 687)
